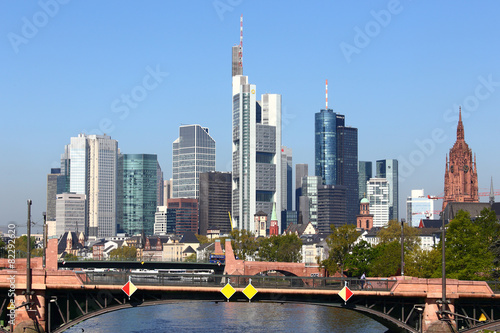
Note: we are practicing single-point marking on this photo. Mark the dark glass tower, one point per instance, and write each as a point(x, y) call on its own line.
point(364, 175)
point(347, 169)
point(325, 139)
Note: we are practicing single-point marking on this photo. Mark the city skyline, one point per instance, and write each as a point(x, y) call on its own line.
point(400, 83)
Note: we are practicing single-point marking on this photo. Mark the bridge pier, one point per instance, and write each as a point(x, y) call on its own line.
point(32, 320)
point(431, 322)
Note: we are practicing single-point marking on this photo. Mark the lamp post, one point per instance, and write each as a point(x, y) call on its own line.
point(443, 268)
point(402, 247)
point(28, 258)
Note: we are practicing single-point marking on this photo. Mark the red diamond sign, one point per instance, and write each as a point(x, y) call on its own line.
point(129, 288)
point(345, 293)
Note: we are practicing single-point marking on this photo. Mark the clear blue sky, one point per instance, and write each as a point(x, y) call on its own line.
point(65, 68)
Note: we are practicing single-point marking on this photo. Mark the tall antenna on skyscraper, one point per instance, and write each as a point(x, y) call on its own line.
point(326, 91)
point(241, 43)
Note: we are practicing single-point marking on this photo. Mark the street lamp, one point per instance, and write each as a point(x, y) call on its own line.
point(402, 248)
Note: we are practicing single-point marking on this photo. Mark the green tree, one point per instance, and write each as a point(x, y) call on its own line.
point(340, 243)
point(191, 258)
point(360, 259)
point(21, 246)
point(387, 260)
point(244, 243)
point(468, 243)
point(282, 248)
point(124, 253)
point(392, 232)
point(70, 257)
point(422, 263)
point(203, 239)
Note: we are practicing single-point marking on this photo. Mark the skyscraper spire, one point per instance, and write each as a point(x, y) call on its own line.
point(492, 194)
point(241, 44)
point(460, 127)
point(326, 95)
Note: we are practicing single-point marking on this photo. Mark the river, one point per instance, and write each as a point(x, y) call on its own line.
point(245, 317)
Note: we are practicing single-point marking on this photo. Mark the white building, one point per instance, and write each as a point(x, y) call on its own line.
point(256, 184)
point(419, 207)
point(378, 195)
point(163, 221)
point(70, 213)
point(90, 164)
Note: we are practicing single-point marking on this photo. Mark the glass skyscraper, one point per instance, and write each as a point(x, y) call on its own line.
point(388, 169)
point(364, 175)
point(193, 153)
point(139, 191)
point(325, 139)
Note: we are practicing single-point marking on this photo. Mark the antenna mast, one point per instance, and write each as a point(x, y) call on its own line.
point(241, 44)
point(326, 95)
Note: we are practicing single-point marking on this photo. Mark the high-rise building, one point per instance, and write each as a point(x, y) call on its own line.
point(193, 153)
point(418, 207)
point(332, 201)
point(364, 174)
point(286, 178)
point(310, 191)
point(90, 164)
point(301, 170)
point(139, 199)
point(460, 177)
point(215, 202)
point(388, 169)
point(52, 191)
point(70, 213)
point(167, 190)
point(378, 196)
point(159, 185)
point(336, 156)
point(186, 214)
point(256, 153)
point(347, 169)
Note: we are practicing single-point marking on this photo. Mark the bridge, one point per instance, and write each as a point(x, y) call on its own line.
point(62, 298)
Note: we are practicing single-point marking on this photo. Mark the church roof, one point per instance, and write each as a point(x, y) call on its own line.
point(365, 200)
point(473, 208)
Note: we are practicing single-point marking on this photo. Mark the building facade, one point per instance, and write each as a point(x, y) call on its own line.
point(70, 213)
point(378, 196)
point(286, 178)
point(215, 202)
point(460, 177)
point(418, 207)
point(331, 208)
point(139, 193)
point(164, 220)
point(310, 191)
point(388, 169)
point(193, 153)
point(347, 169)
point(52, 191)
point(301, 170)
point(364, 174)
point(186, 214)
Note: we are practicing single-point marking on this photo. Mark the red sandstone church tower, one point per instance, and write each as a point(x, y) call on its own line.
point(460, 177)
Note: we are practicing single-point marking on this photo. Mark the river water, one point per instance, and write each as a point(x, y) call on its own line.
point(229, 317)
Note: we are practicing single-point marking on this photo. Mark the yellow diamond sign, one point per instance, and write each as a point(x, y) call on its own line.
point(482, 317)
point(11, 306)
point(228, 291)
point(250, 291)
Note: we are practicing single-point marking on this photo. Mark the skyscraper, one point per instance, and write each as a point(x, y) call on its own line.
point(388, 169)
point(193, 153)
point(336, 156)
point(139, 199)
point(310, 191)
point(460, 177)
point(52, 191)
point(331, 207)
point(364, 175)
point(301, 170)
point(70, 213)
point(186, 214)
point(159, 185)
point(256, 150)
point(90, 164)
point(215, 202)
point(286, 178)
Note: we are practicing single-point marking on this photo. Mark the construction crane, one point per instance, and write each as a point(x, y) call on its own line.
point(480, 194)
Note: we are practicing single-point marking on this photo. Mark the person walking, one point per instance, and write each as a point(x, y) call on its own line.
point(363, 277)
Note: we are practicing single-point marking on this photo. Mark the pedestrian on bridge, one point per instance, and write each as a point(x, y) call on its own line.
point(363, 277)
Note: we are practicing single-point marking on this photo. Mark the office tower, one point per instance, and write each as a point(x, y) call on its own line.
point(193, 153)
point(460, 177)
point(288, 217)
point(388, 169)
point(70, 213)
point(215, 202)
point(336, 156)
point(256, 147)
point(186, 214)
point(286, 178)
point(164, 220)
point(301, 171)
point(159, 185)
point(167, 190)
point(332, 201)
point(347, 169)
point(364, 175)
point(378, 195)
point(303, 216)
point(139, 193)
point(52, 180)
point(310, 191)
point(418, 207)
point(90, 164)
